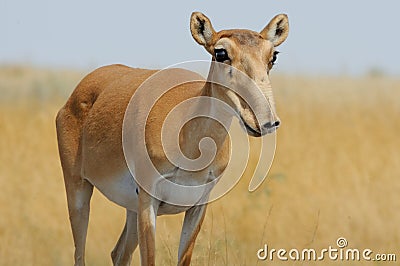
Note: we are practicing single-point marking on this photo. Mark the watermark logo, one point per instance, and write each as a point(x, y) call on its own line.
point(341, 242)
point(144, 110)
point(340, 252)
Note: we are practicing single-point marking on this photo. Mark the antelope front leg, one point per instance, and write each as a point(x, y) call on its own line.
point(147, 213)
point(191, 226)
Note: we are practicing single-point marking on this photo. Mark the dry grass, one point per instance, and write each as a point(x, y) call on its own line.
point(335, 174)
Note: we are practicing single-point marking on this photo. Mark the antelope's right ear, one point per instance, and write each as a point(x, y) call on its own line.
point(201, 29)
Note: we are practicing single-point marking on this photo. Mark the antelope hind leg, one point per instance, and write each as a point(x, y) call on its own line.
point(128, 241)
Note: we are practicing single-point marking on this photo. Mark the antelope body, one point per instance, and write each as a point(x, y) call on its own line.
point(89, 131)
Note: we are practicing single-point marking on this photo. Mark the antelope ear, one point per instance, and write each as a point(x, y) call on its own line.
point(277, 30)
point(201, 29)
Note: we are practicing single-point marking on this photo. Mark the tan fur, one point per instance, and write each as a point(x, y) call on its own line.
point(89, 131)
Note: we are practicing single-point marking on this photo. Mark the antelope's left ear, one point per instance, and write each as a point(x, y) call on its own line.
point(277, 30)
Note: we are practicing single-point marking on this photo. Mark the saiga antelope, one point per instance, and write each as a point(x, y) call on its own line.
point(89, 131)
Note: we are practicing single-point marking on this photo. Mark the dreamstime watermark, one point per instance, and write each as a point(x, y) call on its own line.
point(177, 81)
point(340, 252)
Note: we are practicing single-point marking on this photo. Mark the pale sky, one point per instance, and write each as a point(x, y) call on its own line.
point(326, 37)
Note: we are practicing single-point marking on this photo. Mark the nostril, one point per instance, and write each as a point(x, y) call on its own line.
point(267, 125)
point(272, 125)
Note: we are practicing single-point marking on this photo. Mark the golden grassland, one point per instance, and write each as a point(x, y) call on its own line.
point(335, 174)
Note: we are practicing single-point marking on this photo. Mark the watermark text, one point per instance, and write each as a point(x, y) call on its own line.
point(340, 252)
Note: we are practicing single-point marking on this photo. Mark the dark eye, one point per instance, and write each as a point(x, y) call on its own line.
point(274, 57)
point(221, 55)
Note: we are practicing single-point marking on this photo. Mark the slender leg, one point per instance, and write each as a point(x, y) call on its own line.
point(191, 227)
point(128, 241)
point(147, 213)
point(78, 197)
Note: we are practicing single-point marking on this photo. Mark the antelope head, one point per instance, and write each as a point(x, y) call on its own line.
point(241, 62)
